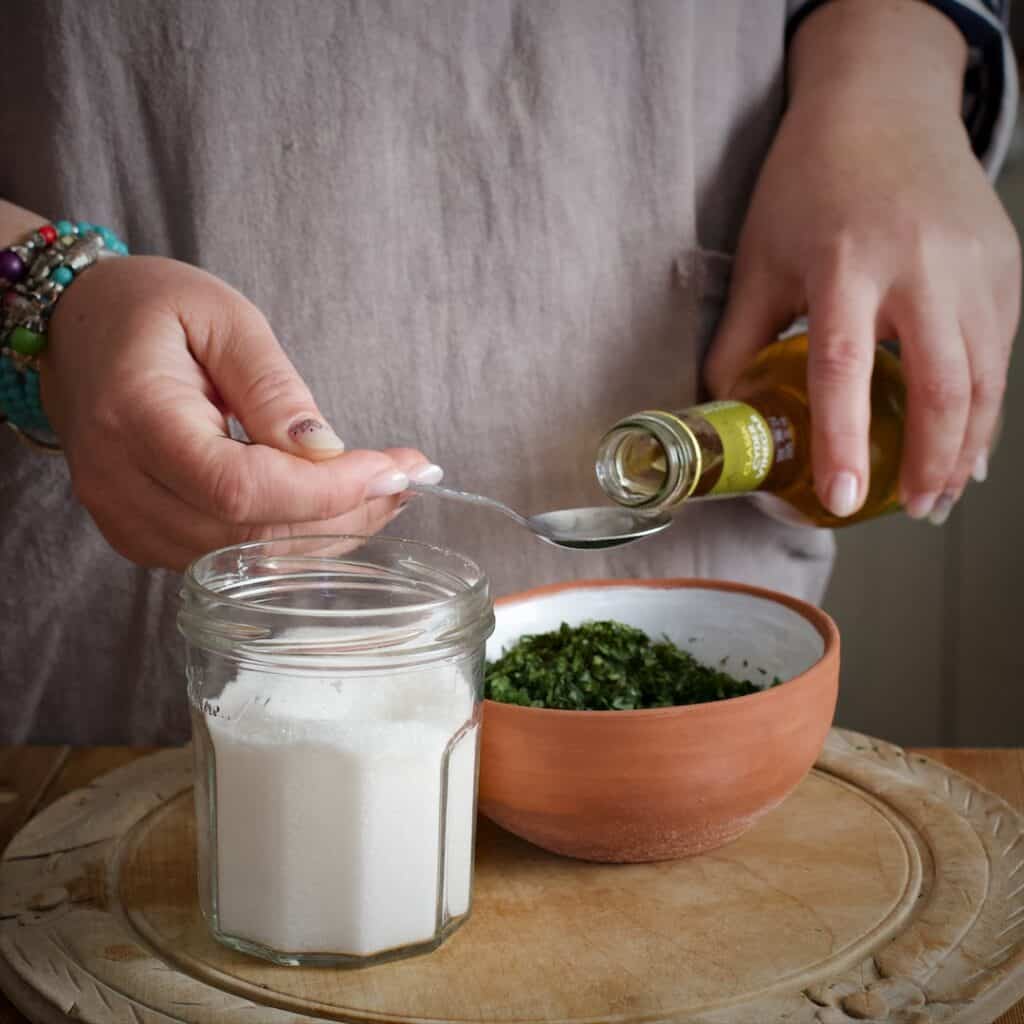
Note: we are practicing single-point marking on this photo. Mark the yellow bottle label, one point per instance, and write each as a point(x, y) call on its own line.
point(748, 449)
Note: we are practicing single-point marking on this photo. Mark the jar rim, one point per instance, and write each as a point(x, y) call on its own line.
point(480, 585)
point(437, 599)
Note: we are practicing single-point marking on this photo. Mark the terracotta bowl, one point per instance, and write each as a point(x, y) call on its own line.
point(667, 782)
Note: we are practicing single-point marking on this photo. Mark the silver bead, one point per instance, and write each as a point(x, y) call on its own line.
point(83, 253)
point(24, 316)
point(19, 304)
point(22, 252)
point(44, 263)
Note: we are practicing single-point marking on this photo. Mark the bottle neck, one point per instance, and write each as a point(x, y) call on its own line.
point(650, 460)
point(657, 460)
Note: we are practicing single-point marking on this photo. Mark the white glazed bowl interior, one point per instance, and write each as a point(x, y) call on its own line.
point(759, 638)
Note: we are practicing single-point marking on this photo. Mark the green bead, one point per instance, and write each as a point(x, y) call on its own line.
point(64, 227)
point(62, 275)
point(27, 342)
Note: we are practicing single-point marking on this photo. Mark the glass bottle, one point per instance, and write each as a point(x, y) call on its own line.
point(335, 687)
point(759, 443)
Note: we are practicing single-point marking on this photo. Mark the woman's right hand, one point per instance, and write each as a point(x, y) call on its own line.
point(147, 357)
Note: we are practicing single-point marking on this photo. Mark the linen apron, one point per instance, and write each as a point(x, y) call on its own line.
point(484, 228)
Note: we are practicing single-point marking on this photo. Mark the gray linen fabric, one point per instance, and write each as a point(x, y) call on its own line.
point(487, 229)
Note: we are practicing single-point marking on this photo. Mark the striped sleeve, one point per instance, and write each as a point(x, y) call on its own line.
point(990, 84)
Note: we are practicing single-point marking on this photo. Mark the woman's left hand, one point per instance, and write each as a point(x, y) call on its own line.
point(873, 216)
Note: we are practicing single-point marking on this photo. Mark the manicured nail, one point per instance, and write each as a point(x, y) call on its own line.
point(921, 506)
point(980, 471)
point(842, 495)
point(427, 474)
point(315, 436)
point(940, 513)
point(386, 484)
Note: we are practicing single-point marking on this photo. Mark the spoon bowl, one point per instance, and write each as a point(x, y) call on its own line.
point(579, 528)
point(600, 527)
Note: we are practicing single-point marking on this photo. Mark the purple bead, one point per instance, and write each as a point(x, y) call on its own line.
point(11, 267)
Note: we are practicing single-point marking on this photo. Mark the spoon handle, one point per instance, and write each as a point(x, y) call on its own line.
point(469, 499)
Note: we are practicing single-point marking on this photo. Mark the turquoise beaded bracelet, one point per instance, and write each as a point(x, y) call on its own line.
point(33, 276)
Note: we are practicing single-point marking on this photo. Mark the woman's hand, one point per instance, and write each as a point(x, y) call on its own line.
point(146, 359)
point(873, 216)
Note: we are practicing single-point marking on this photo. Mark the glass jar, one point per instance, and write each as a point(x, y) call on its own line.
point(335, 687)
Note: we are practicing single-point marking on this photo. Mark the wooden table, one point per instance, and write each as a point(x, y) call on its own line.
point(32, 777)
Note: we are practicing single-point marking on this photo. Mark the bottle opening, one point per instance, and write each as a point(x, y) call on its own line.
point(632, 466)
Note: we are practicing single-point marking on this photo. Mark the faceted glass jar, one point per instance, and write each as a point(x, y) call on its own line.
point(335, 687)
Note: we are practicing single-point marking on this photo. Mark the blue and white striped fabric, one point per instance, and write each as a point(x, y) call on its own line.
point(990, 84)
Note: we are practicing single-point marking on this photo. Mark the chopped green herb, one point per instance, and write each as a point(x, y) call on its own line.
point(605, 666)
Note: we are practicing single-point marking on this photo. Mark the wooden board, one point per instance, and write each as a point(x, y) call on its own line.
point(25, 774)
point(886, 888)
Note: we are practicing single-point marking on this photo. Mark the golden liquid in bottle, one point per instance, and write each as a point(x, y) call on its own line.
point(658, 469)
point(776, 385)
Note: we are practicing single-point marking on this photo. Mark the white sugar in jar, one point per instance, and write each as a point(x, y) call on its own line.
point(335, 686)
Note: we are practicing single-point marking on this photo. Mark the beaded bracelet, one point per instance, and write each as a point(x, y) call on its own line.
point(33, 275)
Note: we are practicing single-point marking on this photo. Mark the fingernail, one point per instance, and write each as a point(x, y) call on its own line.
point(842, 495)
point(940, 513)
point(399, 509)
point(386, 484)
point(980, 471)
point(315, 436)
point(921, 506)
point(427, 474)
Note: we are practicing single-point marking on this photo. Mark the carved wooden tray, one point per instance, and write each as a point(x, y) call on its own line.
point(887, 888)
